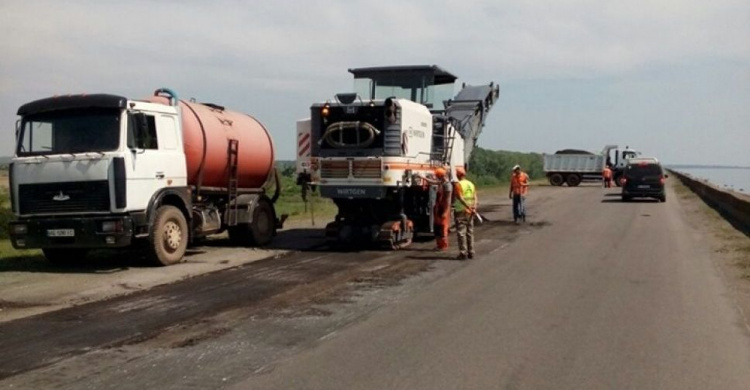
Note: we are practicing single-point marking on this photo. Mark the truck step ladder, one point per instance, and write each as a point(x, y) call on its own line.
point(448, 153)
point(233, 182)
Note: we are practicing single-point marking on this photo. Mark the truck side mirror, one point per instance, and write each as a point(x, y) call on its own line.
point(18, 132)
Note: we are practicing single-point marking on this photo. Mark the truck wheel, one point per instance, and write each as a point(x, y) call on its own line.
point(573, 180)
point(263, 227)
point(618, 180)
point(168, 238)
point(257, 233)
point(65, 256)
point(556, 179)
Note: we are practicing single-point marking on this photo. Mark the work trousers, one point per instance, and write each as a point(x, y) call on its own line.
point(440, 228)
point(519, 207)
point(465, 232)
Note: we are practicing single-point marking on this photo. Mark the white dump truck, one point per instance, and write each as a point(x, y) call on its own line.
point(574, 166)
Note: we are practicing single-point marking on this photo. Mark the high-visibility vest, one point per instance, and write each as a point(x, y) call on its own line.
point(468, 192)
point(516, 181)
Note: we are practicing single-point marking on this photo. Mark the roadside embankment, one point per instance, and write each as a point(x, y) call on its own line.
point(733, 206)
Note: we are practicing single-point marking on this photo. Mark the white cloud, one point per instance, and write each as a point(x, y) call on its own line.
point(281, 56)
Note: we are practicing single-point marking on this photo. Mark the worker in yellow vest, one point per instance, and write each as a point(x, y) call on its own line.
point(465, 201)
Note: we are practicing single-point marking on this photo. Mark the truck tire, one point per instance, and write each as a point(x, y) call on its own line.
point(65, 256)
point(168, 239)
point(618, 181)
point(556, 179)
point(260, 231)
point(573, 180)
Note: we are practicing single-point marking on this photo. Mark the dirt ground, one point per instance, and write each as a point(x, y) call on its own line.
point(30, 286)
point(731, 247)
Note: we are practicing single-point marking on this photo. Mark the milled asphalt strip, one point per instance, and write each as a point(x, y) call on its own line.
point(41, 340)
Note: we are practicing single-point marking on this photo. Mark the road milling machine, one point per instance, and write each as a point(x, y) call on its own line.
point(369, 150)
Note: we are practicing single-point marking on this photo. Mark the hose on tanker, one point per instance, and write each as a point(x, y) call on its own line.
point(341, 126)
point(170, 93)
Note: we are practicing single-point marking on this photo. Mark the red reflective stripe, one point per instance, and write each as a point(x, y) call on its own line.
point(304, 138)
point(304, 150)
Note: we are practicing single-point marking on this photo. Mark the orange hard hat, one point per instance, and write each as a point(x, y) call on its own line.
point(440, 172)
point(460, 172)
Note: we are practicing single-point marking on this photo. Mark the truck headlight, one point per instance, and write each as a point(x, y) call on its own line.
point(20, 229)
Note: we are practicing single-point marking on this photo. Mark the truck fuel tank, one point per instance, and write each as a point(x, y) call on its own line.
point(207, 129)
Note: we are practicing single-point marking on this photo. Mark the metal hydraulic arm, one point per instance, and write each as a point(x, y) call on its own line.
point(468, 111)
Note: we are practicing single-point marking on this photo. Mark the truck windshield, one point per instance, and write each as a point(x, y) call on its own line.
point(66, 132)
point(416, 89)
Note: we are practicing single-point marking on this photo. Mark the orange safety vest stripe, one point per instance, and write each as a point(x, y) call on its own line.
point(516, 182)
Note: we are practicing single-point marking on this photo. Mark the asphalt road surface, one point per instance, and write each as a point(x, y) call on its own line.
point(591, 293)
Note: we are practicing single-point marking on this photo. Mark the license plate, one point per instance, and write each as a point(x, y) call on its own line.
point(644, 186)
point(61, 233)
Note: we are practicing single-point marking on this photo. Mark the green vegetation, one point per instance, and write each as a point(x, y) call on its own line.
point(5, 214)
point(290, 200)
point(488, 167)
point(13, 259)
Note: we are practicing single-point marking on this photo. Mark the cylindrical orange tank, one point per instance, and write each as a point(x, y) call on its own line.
point(206, 131)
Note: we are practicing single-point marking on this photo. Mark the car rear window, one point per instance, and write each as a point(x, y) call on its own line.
point(640, 170)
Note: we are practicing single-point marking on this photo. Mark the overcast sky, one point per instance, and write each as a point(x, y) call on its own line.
point(668, 77)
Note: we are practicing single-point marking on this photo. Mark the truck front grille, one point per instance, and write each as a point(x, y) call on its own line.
point(65, 197)
point(334, 169)
point(360, 169)
point(367, 169)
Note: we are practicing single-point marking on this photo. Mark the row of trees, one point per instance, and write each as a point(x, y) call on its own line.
point(491, 167)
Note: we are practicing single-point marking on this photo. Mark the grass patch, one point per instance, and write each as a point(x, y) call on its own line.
point(6, 215)
point(290, 202)
point(20, 260)
point(733, 243)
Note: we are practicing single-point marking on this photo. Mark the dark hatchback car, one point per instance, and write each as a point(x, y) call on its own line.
point(643, 178)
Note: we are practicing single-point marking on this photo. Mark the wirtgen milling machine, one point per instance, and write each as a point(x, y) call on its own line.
point(366, 150)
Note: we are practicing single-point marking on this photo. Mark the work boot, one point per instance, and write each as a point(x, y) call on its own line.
point(471, 255)
point(461, 256)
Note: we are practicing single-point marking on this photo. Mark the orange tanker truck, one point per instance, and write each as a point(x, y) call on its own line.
point(104, 171)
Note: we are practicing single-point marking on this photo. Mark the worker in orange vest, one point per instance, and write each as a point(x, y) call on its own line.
point(519, 187)
point(607, 177)
point(441, 211)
